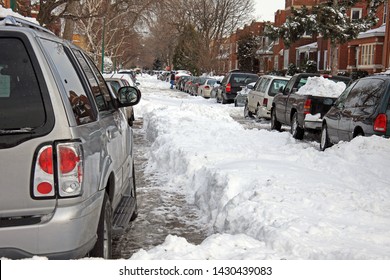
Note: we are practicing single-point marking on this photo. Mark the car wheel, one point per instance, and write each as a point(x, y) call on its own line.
point(325, 142)
point(247, 113)
point(235, 103)
point(275, 124)
point(103, 246)
point(296, 131)
point(134, 195)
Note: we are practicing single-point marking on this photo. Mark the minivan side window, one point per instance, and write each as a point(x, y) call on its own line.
point(100, 93)
point(70, 80)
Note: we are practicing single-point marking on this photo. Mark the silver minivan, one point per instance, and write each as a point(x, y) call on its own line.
point(66, 152)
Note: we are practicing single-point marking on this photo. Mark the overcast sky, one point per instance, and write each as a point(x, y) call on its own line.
point(265, 9)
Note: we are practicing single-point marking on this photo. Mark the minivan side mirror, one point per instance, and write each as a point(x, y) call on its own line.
point(250, 86)
point(128, 96)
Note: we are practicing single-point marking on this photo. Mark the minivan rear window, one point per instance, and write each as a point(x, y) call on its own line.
point(21, 104)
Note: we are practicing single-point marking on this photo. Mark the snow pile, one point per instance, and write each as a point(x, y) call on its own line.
point(8, 12)
point(319, 86)
point(262, 192)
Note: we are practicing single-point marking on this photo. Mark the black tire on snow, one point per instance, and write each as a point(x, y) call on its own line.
point(275, 124)
point(103, 246)
point(324, 141)
point(296, 131)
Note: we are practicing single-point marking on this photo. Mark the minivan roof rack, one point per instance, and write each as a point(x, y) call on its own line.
point(16, 21)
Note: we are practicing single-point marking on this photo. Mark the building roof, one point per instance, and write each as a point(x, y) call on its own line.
point(376, 32)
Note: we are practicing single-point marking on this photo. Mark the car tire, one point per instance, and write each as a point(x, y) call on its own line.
point(247, 113)
point(275, 124)
point(296, 131)
point(224, 101)
point(103, 246)
point(324, 141)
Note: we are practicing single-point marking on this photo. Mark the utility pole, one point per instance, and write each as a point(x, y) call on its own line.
point(12, 5)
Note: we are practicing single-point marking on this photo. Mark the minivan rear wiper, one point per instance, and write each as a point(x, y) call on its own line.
point(16, 131)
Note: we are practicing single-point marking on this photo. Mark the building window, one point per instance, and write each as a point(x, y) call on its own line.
point(356, 13)
point(367, 54)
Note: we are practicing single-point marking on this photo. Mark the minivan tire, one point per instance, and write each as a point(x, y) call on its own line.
point(103, 246)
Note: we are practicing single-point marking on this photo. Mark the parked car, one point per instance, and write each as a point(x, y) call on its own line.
point(363, 109)
point(232, 83)
point(204, 90)
point(124, 76)
point(66, 151)
point(292, 108)
point(259, 100)
point(197, 81)
point(240, 99)
point(114, 84)
point(188, 84)
point(181, 82)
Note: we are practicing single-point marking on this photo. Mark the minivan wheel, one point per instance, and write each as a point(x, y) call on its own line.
point(325, 142)
point(296, 130)
point(103, 246)
point(275, 124)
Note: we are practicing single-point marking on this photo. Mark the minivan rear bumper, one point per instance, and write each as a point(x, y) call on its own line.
point(69, 234)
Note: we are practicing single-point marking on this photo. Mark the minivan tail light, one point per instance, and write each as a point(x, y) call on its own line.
point(70, 169)
point(265, 102)
point(58, 169)
point(43, 171)
point(307, 106)
point(228, 87)
point(380, 123)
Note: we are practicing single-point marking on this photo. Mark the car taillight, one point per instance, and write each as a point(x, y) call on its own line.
point(380, 123)
point(206, 87)
point(228, 87)
point(70, 170)
point(307, 107)
point(265, 102)
point(43, 182)
point(62, 168)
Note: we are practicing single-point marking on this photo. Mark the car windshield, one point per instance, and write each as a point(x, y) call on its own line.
point(243, 79)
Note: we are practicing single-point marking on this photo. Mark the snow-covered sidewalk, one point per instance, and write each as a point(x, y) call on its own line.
point(264, 194)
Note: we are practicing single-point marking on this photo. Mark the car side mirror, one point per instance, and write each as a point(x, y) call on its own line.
point(128, 96)
point(250, 86)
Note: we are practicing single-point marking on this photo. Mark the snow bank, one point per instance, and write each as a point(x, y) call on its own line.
point(295, 201)
point(319, 86)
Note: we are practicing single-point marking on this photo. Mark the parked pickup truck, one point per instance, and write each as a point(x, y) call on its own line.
point(302, 111)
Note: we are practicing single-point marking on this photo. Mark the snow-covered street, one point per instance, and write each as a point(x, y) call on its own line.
point(262, 194)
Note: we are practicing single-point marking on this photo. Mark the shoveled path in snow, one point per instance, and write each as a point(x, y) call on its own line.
point(162, 211)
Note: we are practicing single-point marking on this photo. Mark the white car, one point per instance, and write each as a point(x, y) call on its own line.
point(259, 100)
point(205, 89)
